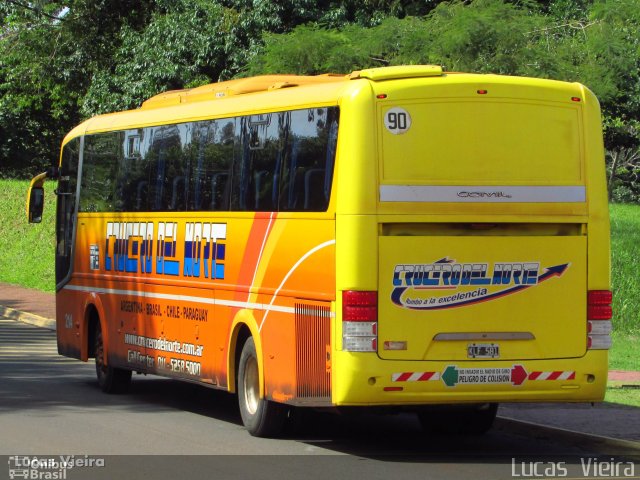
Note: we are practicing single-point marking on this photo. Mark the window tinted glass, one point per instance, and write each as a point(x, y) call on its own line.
point(102, 155)
point(308, 169)
point(211, 155)
point(255, 186)
point(65, 208)
point(168, 167)
point(132, 179)
point(268, 162)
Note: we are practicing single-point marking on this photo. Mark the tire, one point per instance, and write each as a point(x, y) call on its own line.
point(110, 379)
point(459, 420)
point(261, 417)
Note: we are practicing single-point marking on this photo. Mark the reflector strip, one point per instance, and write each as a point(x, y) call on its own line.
point(557, 375)
point(483, 194)
point(415, 376)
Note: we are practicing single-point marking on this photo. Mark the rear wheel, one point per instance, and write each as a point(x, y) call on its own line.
point(463, 419)
point(110, 379)
point(261, 417)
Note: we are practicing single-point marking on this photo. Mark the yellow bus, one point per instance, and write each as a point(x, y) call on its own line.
point(399, 237)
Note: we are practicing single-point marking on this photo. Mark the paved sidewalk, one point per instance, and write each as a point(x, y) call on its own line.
point(26, 304)
point(28, 300)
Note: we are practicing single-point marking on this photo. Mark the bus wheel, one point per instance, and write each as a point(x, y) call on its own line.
point(261, 417)
point(470, 420)
point(110, 379)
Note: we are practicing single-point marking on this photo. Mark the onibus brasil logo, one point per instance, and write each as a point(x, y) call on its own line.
point(437, 285)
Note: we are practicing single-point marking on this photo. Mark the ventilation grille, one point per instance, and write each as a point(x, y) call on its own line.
point(313, 351)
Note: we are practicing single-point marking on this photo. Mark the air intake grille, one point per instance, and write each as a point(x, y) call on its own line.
point(313, 350)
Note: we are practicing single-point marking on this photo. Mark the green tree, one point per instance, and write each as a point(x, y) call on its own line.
point(48, 50)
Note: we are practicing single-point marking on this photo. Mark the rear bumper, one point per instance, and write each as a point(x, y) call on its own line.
point(365, 379)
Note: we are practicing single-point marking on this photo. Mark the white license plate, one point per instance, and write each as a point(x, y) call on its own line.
point(483, 350)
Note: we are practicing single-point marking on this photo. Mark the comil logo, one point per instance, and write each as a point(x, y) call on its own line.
point(498, 194)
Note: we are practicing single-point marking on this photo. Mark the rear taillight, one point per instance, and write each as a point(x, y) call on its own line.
point(360, 321)
point(599, 315)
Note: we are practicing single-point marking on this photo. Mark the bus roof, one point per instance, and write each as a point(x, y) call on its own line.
point(170, 106)
point(262, 94)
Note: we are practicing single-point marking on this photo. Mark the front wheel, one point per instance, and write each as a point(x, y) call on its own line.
point(463, 419)
point(110, 379)
point(261, 417)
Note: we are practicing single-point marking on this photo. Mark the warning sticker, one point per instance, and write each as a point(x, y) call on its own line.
point(453, 375)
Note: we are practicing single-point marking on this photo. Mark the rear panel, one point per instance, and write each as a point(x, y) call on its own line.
point(485, 231)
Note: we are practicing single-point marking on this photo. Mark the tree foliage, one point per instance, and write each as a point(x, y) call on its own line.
point(64, 60)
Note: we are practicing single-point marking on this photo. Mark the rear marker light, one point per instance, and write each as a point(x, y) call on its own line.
point(381, 96)
point(360, 329)
point(360, 321)
point(482, 92)
point(575, 99)
point(599, 328)
point(599, 297)
point(389, 345)
point(599, 314)
point(599, 342)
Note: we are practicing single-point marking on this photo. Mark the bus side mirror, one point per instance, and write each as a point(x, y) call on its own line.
point(35, 198)
point(36, 204)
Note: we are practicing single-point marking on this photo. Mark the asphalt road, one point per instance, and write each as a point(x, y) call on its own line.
point(50, 406)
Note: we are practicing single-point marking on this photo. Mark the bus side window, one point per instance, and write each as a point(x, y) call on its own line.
point(308, 171)
point(132, 178)
point(263, 185)
point(254, 173)
point(314, 189)
point(212, 148)
point(220, 191)
point(166, 163)
point(178, 194)
point(142, 193)
point(102, 154)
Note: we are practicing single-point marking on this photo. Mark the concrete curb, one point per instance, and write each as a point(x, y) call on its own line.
point(29, 318)
point(589, 440)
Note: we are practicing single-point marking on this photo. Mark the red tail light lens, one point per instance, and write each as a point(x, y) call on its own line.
point(359, 306)
point(599, 314)
point(599, 297)
point(359, 321)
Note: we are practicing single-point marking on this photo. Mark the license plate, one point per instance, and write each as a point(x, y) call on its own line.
point(483, 350)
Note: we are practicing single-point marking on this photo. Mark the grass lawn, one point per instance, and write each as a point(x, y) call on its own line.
point(28, 251)
point(624, 394)
point(625, 261)
point(624, 355)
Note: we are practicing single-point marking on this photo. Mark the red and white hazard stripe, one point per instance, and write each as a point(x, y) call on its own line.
point(557, 375)
point(415, 376)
